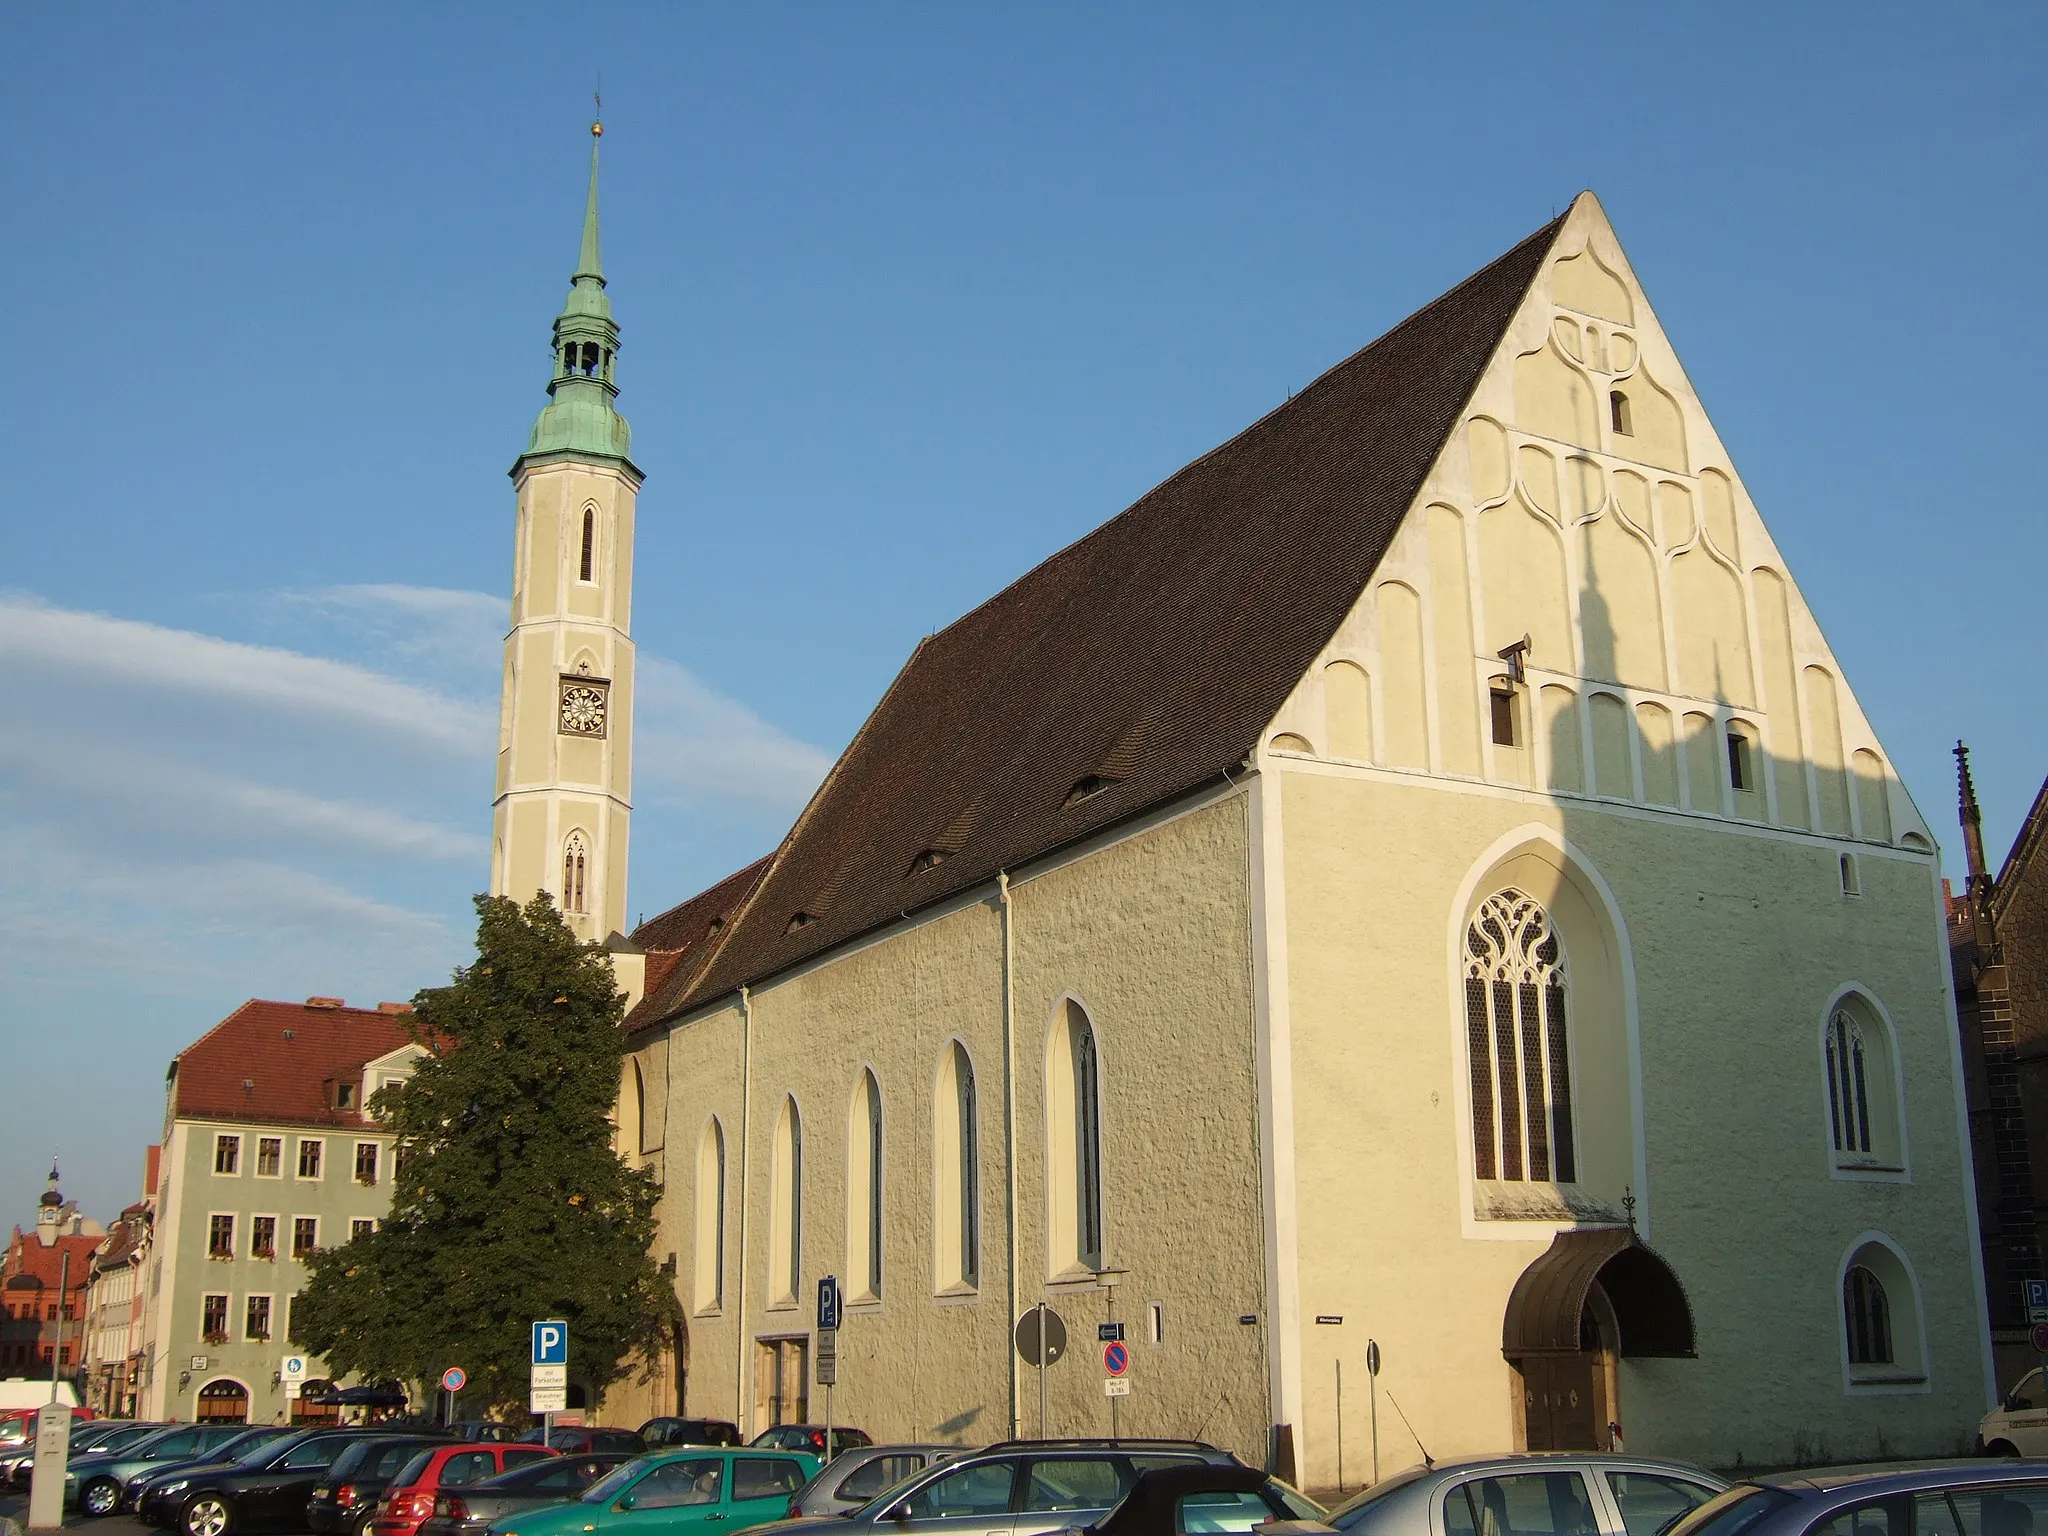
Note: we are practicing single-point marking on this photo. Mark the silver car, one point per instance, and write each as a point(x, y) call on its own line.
point(1531, 1495)
point(1929, 1498)
point(1016, 1488)
point(857, 1475)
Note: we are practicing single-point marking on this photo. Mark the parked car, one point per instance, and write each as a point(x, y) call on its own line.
point(267, 1492)
point(666, 1431)
point(1025, 1487)
point(345, 1498)
point(409, 1502)
point(483, 1429)
point(247, 1446)
point(850, 1479)
point(1979, 1497)
point(2018, 1426)
point(704, 1491)
point(573, 1438)
point(17, 1465)
point(94, 1482)
point(1531, 1495)
point(553, 1480)
point(811, 1437)
point(1202, 1498)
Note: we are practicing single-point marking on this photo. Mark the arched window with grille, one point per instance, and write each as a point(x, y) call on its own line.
point(956, 1175)
point(786, 1211)
point(1518, 1043)
point(575, 869)
point(710, 1240)
point(586, 565)
point(1867, 1314)
point(864, 1190)
point(1863, 1089)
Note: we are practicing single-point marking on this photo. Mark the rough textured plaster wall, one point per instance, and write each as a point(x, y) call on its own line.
point(1738, 942)
point(1152, 934)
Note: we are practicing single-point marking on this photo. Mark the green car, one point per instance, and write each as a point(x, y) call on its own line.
point(694, 1492)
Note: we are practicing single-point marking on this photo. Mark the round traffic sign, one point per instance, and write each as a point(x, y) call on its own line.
point(1051, 1338)
point(1116, 1358)
point(2041, 1337)
point(453, 1378)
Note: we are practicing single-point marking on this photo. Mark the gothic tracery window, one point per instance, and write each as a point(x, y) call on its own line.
point(1849, 1087)
point(1518, 1044)
point(1867, 1315)
point(587, 562)
point(575, 863)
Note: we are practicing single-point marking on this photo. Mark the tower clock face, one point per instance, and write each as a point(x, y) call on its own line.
point(583, 707)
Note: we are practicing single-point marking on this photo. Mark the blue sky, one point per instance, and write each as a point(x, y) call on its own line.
point(912, 295)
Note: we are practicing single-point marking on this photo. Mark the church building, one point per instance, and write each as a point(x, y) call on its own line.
point(1416, 886)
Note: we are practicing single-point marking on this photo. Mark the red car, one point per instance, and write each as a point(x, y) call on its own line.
point(409, 1501)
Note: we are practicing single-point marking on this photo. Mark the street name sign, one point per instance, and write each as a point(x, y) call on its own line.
point(551, 1343)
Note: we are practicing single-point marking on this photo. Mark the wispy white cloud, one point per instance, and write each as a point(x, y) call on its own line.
point(692, 744)
point(128, 652)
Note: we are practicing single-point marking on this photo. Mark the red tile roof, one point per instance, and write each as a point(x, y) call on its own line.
point(277, 1063)
point(680, 941)
point(26, 1255)
point(1134, 666)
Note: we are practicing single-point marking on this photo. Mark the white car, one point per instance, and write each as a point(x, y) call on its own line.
point(2019, 1426)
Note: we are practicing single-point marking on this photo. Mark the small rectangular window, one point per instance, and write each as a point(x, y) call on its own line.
point(263, 1237)
point(362, 1226)
point(256, 1321)
point(309, 1157)
point(269, 1157)
point(227, 1154)
point(220, 1237)
point(344, 1095)
point(1738, 762)
point(1156, 1317)
point(1503, 707)
point(213, 1313)
point(305, 1235)
point(366, 1162)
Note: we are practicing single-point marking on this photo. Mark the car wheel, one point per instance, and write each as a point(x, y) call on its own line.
point(101, 1496)
point(2001, 1448)
point(207, 1515)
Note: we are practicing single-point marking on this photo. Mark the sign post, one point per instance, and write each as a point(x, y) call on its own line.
point(828, 1349)
point(1041, 1339)
point(547, 1392)
point(1372, 1372)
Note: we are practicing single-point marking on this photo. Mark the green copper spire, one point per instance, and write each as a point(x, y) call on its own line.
point(579, 420)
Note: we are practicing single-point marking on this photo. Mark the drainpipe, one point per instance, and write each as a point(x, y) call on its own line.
point(740, 1414)
point(1010, 1134)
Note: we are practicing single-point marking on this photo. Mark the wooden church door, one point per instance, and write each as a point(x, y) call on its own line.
point(1561, 1402)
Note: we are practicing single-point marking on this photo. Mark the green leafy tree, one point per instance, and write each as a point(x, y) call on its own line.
point(509, 1204)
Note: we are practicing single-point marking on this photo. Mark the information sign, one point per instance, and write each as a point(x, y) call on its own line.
point(291, 1371)
point(828, 1302)
point(547, 1399)
point(551, 1343)
point(550, 1376)
point(1116, 1386)
point(1108, 1333)
point(828, 1357)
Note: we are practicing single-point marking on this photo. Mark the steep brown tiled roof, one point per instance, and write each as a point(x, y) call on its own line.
point(276, 1062)
point(679, 941)
point(1133, 666)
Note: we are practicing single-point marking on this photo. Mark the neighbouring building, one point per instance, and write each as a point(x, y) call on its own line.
point(269, 1153)
point(113, 1304)
point(1998, 942)
point(1418, 877)
point(43, 1283)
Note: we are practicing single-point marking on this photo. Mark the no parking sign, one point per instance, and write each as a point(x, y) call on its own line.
point(1116, 1357)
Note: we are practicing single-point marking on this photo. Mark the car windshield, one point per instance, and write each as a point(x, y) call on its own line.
point(410, 1472)
point(1731, 1513)
point(1353, 1509)
point(611, 1483)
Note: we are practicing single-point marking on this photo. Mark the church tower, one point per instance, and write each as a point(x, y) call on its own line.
point(565, 732)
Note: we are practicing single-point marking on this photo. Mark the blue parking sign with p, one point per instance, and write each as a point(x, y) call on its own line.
point(551, 1343)
point(2037, 1295)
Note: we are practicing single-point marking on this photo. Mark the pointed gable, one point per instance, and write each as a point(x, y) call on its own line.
point(1137, 664)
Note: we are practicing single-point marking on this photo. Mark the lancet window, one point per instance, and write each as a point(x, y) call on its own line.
point(1518, 1042)
point(575, 865)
